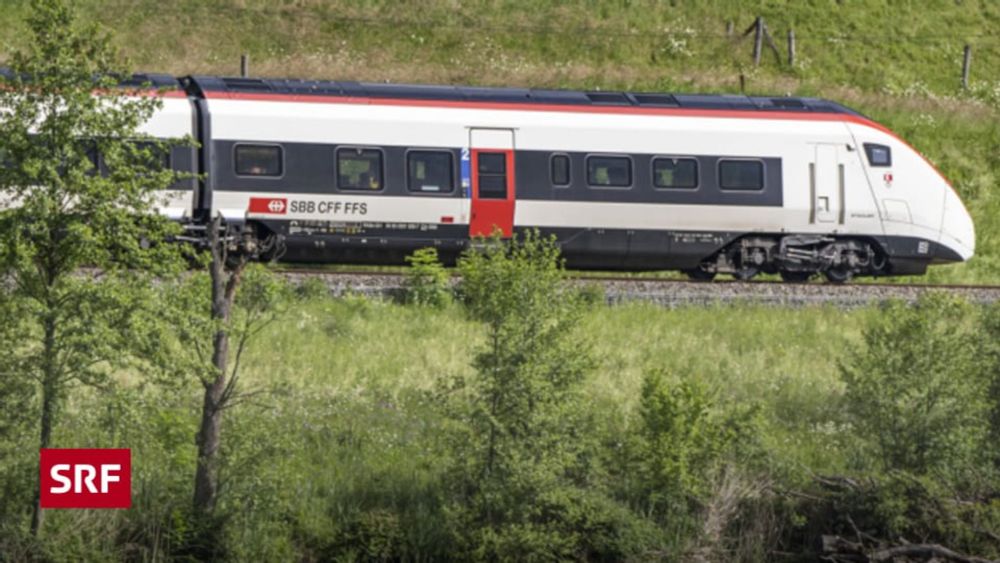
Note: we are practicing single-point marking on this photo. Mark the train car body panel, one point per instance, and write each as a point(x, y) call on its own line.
point(598, 170)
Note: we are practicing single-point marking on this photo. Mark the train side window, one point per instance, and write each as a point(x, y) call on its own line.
point(671, 172)
point(609, 171)
point(430, 171)
point(741, 175)
point(878, 155)
point(560, 170)
point(258, 160)
point(359, 169)
point(492, 173)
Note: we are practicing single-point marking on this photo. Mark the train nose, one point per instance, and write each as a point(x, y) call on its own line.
point(958, 234)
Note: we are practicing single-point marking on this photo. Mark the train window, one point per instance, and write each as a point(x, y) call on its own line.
point(560, 170)
point(878, 155)
point(258, 160)
point(359, 169)
point(430, 171)
point(675, 173)
point(492, 163)
point(609, 171)
point(492, 173)
point(741, 175)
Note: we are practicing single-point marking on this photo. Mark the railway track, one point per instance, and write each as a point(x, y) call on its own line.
point(673, 292)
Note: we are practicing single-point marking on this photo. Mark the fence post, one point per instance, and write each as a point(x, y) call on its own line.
point(244, 65)
point(791, 47)
point(966, 63)
point(729, 28)
point(758, 39)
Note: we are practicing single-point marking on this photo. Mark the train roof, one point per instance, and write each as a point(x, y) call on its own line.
point(202, 85)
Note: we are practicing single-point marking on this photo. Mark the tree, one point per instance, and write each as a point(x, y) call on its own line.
point(914, 389)
point(201, 315)
point(521, 444)
point(82, 193)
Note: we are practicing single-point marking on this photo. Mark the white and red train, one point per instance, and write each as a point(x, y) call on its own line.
point(352, 172)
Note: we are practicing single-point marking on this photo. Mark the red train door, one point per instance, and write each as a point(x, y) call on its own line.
point(492, 164)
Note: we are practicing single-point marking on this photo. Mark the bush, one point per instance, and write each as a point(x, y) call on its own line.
point(312, 288)
point(682, 443)
point(523, 475)
point(427, 280)
point(914, 388)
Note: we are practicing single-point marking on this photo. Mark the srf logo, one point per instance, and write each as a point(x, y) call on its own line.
point(86, 478)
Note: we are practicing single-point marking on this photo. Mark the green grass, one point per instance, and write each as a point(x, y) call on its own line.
point(899, 62)
point(350, 419)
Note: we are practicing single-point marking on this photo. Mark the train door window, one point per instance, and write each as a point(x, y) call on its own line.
point(741, 175)
point(430, 171)
point(878, 155)
point(609, 171)
point(679, 173)
point(258, 160)
point(359, 169)
point(492, 170)
point(560, 170)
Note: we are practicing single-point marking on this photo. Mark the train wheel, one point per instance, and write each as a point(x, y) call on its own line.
point(795, 277)
point(697, 274)
point(838, 275)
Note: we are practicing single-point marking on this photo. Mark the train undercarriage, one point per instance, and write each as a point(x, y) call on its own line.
point(796, 258)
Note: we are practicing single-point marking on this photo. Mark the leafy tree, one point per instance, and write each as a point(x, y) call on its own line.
point(427, 280)
point(67, 213)
point(181, 343)
point(522, 473)
point(914, 389)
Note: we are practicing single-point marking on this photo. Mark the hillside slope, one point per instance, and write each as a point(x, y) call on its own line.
point(899, 62)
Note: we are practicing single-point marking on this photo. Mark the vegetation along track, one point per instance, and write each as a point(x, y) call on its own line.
point(673, 292)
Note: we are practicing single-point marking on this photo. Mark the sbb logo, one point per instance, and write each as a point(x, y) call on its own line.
point(86, 478)
point(272, 205)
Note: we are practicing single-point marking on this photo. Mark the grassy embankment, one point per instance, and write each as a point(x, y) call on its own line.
point(897, 62)
point(350, 426)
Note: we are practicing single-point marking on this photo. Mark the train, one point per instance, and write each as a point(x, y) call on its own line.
point(355, 172)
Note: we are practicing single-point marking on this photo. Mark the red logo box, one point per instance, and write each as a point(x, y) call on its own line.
point(272, 205)
point(86, 478)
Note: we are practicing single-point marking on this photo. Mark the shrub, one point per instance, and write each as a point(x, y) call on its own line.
point(427, 280)
point(522, 475)
point(312, 288)
point(683, 442)
point(914, 389)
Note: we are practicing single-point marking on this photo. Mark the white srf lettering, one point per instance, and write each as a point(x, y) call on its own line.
point(56, 474)
point(83, 477)
point(107, 477)
point(88, 480)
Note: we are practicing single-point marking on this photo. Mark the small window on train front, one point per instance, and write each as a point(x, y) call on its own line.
point(878, 155)
point(741, 175)
point(609, 171)
point(258, 160)
point(560, 170)
point(430, 171)
point(675, 173)
point(359, 169)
